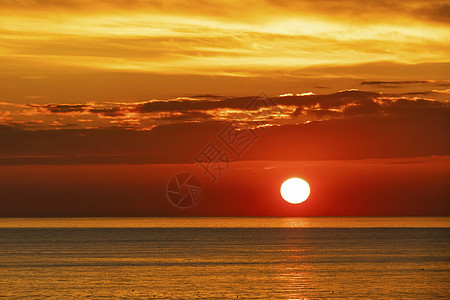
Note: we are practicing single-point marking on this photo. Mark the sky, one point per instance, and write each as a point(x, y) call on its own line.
point(101, 103)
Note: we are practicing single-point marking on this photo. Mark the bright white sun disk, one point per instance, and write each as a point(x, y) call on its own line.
point(295, 190)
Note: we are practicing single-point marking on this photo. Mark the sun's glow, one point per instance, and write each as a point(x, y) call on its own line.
point(295, 190)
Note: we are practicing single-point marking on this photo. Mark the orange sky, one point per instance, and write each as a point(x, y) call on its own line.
point(142, 82)
point(414, 187)
point(78, 51)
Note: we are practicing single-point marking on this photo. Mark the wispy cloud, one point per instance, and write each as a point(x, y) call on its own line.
point(396, 83)
point(171, 38)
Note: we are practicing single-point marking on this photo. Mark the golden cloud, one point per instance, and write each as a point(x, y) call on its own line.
point(221, 38)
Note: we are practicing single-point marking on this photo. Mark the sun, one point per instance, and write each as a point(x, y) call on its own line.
point(295, 190)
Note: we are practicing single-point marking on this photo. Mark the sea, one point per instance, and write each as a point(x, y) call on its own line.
point(225, 258)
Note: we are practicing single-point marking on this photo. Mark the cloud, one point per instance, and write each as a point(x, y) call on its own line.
point(65, 108)
point(185, 116)
point(435, 11)
point(276, 111)
point(429, 10)
point(447, 91)
point(218, 38)
point(193, 104)
point(395, 83)
point(346, 125)
point(108, 112)
point(410, 86)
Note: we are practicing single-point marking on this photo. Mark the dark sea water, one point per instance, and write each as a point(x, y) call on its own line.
point(234, 258)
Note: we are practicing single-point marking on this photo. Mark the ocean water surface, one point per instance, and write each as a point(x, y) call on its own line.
point(234, 258)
